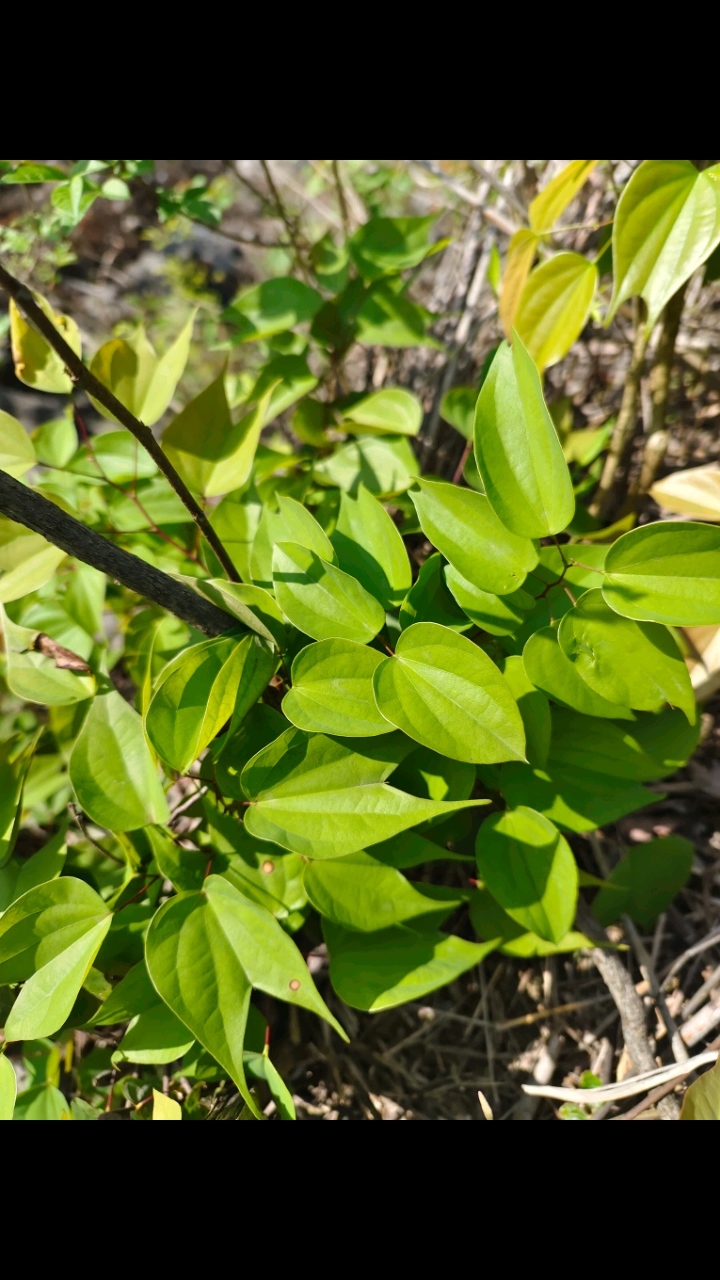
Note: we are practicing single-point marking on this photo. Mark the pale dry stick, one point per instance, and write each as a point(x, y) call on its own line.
point(82, 377)
point(697, 1027)
point(485, 1105)
point(657, 1094)
point(507, 193)
point(680, 1053)
point(625, 426)
point(626, 1088)
point(705, 990)
point(542, 1075)
point(471, 197)
point(35, 512)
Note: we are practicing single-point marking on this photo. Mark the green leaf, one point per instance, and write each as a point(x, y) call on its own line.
point(574, 799)
point(323, 797)
point(14, 768)
point(374, 971)
point(518, 454)
point(361, 894)
point(464, 527)
point(154, 1036)
point(261, 726)
point(17, 454)
point(116, 457)
point(409, 849)
point(389, 318)
point(554, 306)
point(426, 773)
point(133, 995)
point(265, 873)
point(56, 441)
point(666, 572)
point(637, 664)
point(530, 870)
point(205, 952)
point(19, 876)
point(667, 223)
point(645, 882)
point(653, 747)
point(35, 676)
point(140, 379)
point(458, 408)
point(429, 600)
point(287, 379)
point(548, 669)
point(272, 307)
point(27, 561)
point(31, 171)
point(390, 412)
point(43, 923)
point(546, 208)
point(259, 1067)
point(320, 600)
point(112, 770)
point(292, 522)
point(385, 465)
point(333, 690)
point(498, 615)
point(212, 455)
point(184, 868)
point(44, 1102)
point(47, 998)
point(534, 709)
point(444, 692)
point(209, 683)
point(37, 364)
point(702, 1100)
point(235, 521)
point(8, 1088)
point(384, 246)
point(369, 547)
point(492, 923)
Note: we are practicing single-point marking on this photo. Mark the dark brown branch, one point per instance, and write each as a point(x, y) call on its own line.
point(35, 512)
point(87, 380)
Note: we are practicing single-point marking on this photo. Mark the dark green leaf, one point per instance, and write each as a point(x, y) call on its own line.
point(530, 870)
point(645, 882)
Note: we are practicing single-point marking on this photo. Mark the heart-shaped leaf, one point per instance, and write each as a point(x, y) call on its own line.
point(444, 692)
point(666, 573)
point(332, 690)
point(530, 870)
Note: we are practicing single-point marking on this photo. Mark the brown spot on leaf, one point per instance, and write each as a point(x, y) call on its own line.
point(295, 984)
point(267, 867)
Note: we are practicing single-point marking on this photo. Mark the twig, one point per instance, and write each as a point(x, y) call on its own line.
point(711, 939)
point(472, 197)
point(658, 438)
point(680, 1053)
point(31, 509)
point(506, 193)
point(82, 377)
point(341, 198)
point(286, 219)
point(705, 990)
point(528, 1019)
point(626, 1088)
point(625, 426)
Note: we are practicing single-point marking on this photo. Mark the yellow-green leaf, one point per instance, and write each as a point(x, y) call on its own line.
point(36, 363)
point(27, 561)
point(212, 454)
point(666, 225)
point(165, 1108)
point(17, 454)
point(521, 252)
point(546, 208)
point(554, 306)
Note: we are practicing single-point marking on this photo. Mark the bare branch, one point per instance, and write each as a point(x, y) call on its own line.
point(87, 380)
point(42, 516)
